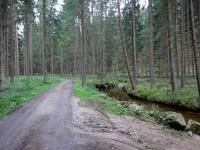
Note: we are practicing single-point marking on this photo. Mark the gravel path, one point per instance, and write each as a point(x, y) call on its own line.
point(59, 121)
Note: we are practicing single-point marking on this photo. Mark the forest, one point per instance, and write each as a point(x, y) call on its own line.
point(137, 58)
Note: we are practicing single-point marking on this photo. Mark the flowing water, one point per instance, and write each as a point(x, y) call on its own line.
point(121, 96)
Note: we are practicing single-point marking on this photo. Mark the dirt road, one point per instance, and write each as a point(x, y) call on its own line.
point(59, 121)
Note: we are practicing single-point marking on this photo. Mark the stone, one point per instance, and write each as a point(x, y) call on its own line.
point(193, 126)
point(174, 120)
point(121, 85)
point(190, 133)
point(136, 107)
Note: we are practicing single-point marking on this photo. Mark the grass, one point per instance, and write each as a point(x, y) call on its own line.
point(90, 93)
point(110, 104)
point(185, 98)
point(18, 93)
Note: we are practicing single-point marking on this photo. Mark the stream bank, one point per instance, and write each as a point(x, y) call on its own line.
point(126, 97)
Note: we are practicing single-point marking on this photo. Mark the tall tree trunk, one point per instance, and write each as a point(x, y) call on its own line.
point(171, 49)
point(151, 51)
point(52, 58)
point(183, 71)
point(102, 41)
point(188, 38)
point(1, 45)
point(177, 41)
point(194, 45)
point(30, 43)
point(93, 44)
point(124, 47)
point(74, 68)
point(61, 63)
point(135, 71)
point(45, 74)
point(28, 39)
point(16, 55)
point(6, 38)
point(12, 39)
point(83, 44)
point(93, 57)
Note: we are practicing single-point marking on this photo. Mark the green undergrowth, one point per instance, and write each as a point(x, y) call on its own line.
point(110, 104)
point(18, 93)
point(90, 93)
point(153, 116)
point(186, 98)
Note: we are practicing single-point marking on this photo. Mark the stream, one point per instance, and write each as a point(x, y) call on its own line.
point(121, 96)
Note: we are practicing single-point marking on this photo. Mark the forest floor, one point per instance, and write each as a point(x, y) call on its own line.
point(59, 120)
point(186, 98)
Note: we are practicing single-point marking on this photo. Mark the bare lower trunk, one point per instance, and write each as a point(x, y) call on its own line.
point(12, 39)
point(102, 41)
point(16, 56)
point(1, 45)
point(183, 72)
point(74, 68)
point(83, 44)
point(171, 50)
point(31, 45)
point(61, 63)
point(135, 71)
point(52, 59)
point(151, 51)
point(45, 74)
point(194, 45)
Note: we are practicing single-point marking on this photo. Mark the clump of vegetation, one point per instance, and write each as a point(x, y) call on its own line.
point(154, 116)
point(179, 134)
point(90, 93)
point(186, 98)
point(109, 103)
point(20, 92)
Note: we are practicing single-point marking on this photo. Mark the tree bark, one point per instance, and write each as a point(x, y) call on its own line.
point(171, 49)
point(135, 71)
point(151, 51)
point(16, 55)
point(93, 44)
point(45, 74)
point(183, 71)
point(52, 58)
point(12, 39)
point(74, 66)
point(61, 63)
point(102, 41)
point(194, 45)
point(83, 44)
point(1, 45)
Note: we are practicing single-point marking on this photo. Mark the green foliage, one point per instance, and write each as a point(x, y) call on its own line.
point(185, 98)
point(18, 93)
point(109, 103)
point(176, 133)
